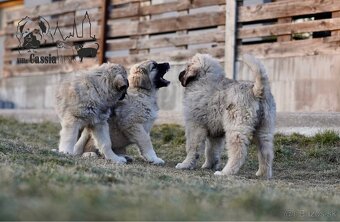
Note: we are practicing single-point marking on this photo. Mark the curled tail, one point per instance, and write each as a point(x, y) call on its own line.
point(261, 79)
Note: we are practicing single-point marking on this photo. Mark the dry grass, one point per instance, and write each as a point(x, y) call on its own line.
point(38, 184)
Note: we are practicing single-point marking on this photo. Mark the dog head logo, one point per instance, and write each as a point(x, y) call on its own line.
point(32, 33)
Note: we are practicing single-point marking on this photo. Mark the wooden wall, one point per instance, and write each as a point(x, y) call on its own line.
point(63, 12)
point(287, 28)
point(172, 30)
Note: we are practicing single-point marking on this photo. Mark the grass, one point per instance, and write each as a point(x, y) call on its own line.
point(39, 184)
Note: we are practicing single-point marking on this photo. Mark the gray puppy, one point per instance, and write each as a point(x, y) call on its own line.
point(85, 101)
point(133, 117)
point(218, 108)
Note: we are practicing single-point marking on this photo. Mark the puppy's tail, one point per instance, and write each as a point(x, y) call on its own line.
point(261, 79)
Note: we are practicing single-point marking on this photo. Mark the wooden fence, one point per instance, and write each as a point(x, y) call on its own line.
point(174, 30)
point(289, 28)
point(67, 22)
point(139, 30)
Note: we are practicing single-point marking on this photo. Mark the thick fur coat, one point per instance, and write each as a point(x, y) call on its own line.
point(132, 118)
point(85, 101)
point(223, 112)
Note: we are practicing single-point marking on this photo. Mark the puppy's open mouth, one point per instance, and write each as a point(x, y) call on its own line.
point(162, 70)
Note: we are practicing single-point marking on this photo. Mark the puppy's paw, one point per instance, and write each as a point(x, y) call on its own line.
point(207, 165)
point(129, 159)
point(185, 166)
point(219, 173)
point(89, 155)
point(119, 160)
point(157, 161)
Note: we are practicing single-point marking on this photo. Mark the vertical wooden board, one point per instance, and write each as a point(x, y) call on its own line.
point(284, 38)
point(336, 15)
point(230, 37)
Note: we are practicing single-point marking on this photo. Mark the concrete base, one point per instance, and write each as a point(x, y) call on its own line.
point(287, 123)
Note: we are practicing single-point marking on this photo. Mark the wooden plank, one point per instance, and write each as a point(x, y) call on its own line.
point(13, 55)
point(213, 37)
point(51, 9)
point(114, 45)
point(175, 56)
point(200, 20)
point(307, 47)
point(12, 42)
point(65, 20)
point(46, 69)
point(290, 28)
point(203, 3)
point(230, 38)
point(134, 9)
point(336, 15)
point(286, 9)
point(288, 37)
point(131, 10)
point(165, 7)
point(120, 2)
point(7, 4)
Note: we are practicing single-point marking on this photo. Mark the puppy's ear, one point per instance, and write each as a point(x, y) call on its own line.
point(139, 78)
point(120, 83)
point(188, 75)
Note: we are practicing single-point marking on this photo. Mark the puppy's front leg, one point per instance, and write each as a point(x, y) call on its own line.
point(68, 137)
point(143, 141)
point(195, 138)
point(102, 140)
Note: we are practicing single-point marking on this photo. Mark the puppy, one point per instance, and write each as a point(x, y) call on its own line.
point(85, 101)
point(218, 108)
point(132, 118)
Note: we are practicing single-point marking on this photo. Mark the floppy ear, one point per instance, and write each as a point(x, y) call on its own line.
point(139, 78)
point(187, 76)
point(120, 83)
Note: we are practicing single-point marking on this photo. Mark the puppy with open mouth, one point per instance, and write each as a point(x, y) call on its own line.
point(132, 118)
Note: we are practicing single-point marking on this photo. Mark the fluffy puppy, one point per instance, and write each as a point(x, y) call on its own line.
point(132, 118)
point(85, 101)
point(218, 108)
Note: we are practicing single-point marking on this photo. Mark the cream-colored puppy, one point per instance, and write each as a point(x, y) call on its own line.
point(217, 108)
point(132, 118)
point(85, 101)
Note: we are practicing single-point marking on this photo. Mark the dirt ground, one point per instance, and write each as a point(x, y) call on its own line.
point(39, 184)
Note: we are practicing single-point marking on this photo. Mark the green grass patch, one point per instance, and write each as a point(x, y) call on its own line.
point(39, 184)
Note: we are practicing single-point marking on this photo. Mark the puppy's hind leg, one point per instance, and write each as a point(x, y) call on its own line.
point(139, 136)
point(102, 140)
point(68, 137)
point(195, 137)
point(237, 144)
point(265, 154)
point(79, 147)
point(213, 152)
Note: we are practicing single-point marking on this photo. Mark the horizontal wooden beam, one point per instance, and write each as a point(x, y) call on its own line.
point(174, 56)
point(286, 9)
point(53, 8)
point(290, 28)
point(171, 41)
point(200, 20)
point(309, 47)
